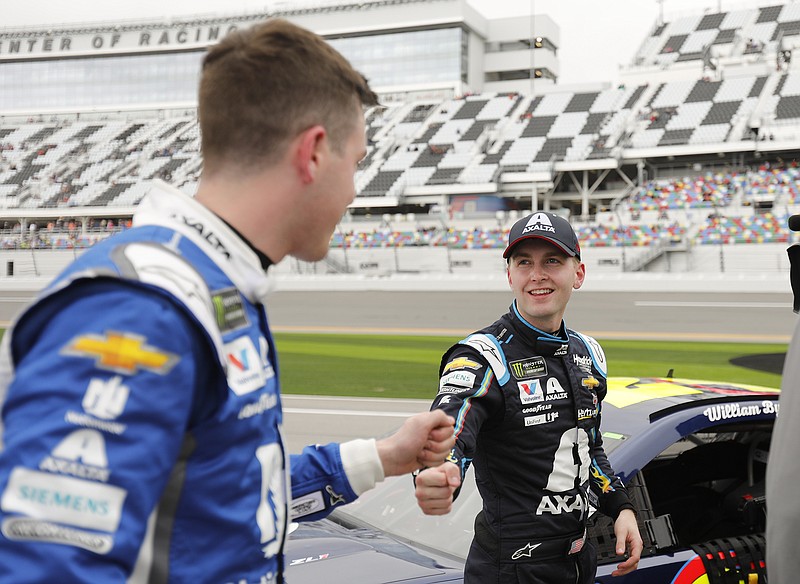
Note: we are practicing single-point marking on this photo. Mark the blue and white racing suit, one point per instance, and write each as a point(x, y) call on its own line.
point(141, 416)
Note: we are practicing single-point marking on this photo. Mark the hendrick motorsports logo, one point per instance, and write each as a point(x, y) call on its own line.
point(584, 363)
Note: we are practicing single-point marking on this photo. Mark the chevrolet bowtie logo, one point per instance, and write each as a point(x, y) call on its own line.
point(461, 363)
point(122, 353)
point(589, 382)
point(525, 551)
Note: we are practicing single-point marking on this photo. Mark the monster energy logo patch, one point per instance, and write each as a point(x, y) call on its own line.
point(528, 368)
point(229, 310)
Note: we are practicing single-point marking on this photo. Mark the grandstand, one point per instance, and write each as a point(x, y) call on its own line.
point(688, 164)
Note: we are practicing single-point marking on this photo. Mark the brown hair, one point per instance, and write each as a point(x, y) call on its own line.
point(262, 86)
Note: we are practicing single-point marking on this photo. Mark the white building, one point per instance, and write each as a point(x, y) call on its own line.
point(424, 48)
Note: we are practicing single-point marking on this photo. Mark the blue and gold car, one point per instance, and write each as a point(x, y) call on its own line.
point(693, 455)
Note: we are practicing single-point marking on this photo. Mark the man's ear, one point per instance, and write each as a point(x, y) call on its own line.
point(580, 276)
point(308, 151)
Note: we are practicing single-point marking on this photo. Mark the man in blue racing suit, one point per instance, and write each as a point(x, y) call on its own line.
point(526, 392)
point(141, 420)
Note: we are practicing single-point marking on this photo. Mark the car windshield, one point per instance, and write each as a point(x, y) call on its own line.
point(392, 507)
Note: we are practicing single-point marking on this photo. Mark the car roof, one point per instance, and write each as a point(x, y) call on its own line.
point(634, 403)
point(645, 415)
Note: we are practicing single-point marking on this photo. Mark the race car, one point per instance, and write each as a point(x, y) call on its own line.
point(692, 453)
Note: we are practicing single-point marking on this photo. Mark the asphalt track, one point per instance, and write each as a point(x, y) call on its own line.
point(732, 317)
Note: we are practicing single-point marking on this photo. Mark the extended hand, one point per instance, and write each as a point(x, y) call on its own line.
point(628, 539)
point(435, 488)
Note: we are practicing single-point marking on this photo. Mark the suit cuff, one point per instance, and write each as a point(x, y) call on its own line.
point(361, 463)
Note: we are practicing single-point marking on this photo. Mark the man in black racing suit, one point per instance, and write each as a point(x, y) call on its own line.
point(526, 394)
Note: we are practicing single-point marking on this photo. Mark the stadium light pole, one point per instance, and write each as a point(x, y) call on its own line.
point(717, 218)
point(387, 220)
point(622, 241)
point(344, 247)
point(532, 44)
point(442, 216)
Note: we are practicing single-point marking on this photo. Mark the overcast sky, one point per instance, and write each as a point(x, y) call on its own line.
point(596, 35)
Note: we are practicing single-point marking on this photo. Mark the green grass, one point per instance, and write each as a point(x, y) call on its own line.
point(407, 366)
point(401, 366)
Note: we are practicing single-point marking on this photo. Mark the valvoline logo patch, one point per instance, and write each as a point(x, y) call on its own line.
point(246, 371)
point(240, 361)
point(530, 392)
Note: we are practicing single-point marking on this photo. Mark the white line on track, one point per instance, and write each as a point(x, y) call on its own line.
point(336, 412)
point(342, 398)
point(677, 304)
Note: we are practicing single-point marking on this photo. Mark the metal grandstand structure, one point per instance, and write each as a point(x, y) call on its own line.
point(687, 160)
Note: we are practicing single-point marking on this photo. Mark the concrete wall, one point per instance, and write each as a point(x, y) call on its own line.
point(748, 268)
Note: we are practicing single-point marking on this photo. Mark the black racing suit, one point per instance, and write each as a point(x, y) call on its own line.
point(527, 410)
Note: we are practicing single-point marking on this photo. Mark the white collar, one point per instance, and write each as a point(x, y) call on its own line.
point(167, 206)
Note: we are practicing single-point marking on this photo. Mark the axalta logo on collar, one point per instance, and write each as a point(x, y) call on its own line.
point(205, 232)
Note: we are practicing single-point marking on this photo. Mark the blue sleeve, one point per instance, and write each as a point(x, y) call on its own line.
point(319, 482)
point(93, 421)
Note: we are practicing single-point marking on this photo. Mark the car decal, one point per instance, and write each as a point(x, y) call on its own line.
point(692, 572)
point(627, 391)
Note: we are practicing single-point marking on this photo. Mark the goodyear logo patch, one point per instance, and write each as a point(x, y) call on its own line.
point(124, 353)
point(528, 368)
point(229, 310)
